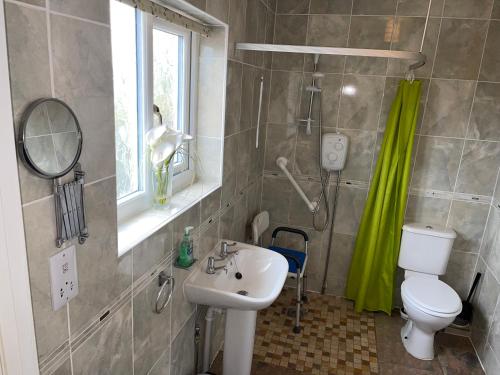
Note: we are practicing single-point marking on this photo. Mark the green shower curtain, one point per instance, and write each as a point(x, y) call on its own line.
point(371, 276)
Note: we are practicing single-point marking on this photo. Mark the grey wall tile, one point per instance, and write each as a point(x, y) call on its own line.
point(229, 170)
point(350, 206)
point(209, 238)
point(151, 330)
point(494, 334)
point(237, 26)
point(359, 157)
point(360, 103)
point(378, 7)
point(469, 221)
point(448, 109)
point(306, 153)
point(81, 58)
point(464, 38)
point(419, 7)
point(485, 113)
point(51, 328)
point(331, 6)
point(340, 260)
point(490, 362)
point(477, 171)
point(27, 31)
point(252, 27)
point(288, 61)
point(103, 276)
point(491, 59)
point(247, 95)
point(285, 97)
point(64, 369)
point(233, 97)
point(183, 350)
point(459, 272)
point(40, 3)
point(280, 142)
point(292, 6)
point(276, 196)
point(436, 166)
point(219, 9)
point(495, 13)
point(491, 242)
point(427, 210)
point(244, 159)
point(210, 204)
point(152, 250)
point(468, 9)
point(485, 301)
point(368, 32)
point(408, 38)
point(290, 29)
point(109, 350)
point(181, 307)
point(200, 4)
point(328, 30)
point(162, 366)
point(95, 10)
point(83, 77)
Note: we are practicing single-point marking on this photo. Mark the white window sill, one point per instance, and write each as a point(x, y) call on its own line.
point(136, 229)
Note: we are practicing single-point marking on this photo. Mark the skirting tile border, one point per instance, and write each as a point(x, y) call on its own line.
point(62, 353)
point(55, 359)
point(414, 192)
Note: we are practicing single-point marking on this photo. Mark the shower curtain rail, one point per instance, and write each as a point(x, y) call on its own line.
point(418, 58)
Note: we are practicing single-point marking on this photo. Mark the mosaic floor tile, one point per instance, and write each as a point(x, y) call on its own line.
point(334, 338)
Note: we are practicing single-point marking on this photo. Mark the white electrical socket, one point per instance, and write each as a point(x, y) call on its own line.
point(63, 277)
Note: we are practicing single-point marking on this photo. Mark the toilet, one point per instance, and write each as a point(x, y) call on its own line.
point(431, 305)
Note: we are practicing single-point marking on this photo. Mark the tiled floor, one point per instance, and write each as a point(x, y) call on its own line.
point(336, 340)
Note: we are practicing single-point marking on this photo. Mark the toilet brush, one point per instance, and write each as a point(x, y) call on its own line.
point(464, 318)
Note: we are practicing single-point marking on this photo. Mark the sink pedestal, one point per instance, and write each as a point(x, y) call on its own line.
point(238, 342)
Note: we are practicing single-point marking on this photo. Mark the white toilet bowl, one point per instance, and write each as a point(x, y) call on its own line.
point(431, 305)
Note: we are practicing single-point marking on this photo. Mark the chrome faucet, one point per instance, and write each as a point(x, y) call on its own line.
point(223, 249)
point(211, 265)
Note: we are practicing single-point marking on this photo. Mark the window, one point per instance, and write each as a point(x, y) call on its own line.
point(152, 65)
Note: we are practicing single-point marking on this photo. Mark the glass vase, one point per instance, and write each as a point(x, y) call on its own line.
point(162, 184)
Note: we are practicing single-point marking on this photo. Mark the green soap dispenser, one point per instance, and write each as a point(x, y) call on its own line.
point(185, 258)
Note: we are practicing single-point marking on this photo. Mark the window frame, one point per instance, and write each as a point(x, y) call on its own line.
point(142, 199)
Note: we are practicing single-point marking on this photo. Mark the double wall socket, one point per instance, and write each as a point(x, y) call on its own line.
point(63, 277)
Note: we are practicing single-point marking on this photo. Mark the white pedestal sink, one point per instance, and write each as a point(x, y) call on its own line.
point(263, 275)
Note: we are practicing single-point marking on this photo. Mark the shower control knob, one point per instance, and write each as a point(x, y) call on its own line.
point(339, 146)
point(333, 156)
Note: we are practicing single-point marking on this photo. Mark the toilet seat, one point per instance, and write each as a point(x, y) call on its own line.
point(432, 296)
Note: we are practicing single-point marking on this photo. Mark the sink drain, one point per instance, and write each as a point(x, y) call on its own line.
point(242, 292)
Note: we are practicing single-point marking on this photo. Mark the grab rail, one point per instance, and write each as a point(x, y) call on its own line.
point(281, 162)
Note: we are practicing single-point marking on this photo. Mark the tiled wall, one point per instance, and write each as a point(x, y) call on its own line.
point(457, 147)
point(486, 322)
point(62, 48)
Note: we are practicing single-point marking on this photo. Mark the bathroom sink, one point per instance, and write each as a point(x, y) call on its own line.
point(263, 273)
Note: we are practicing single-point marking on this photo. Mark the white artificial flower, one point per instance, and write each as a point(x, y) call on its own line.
point(164, 142)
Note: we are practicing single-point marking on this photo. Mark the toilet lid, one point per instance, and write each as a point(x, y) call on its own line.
point(432, 294)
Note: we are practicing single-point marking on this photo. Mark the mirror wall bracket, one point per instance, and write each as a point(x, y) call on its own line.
point(70, 209)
